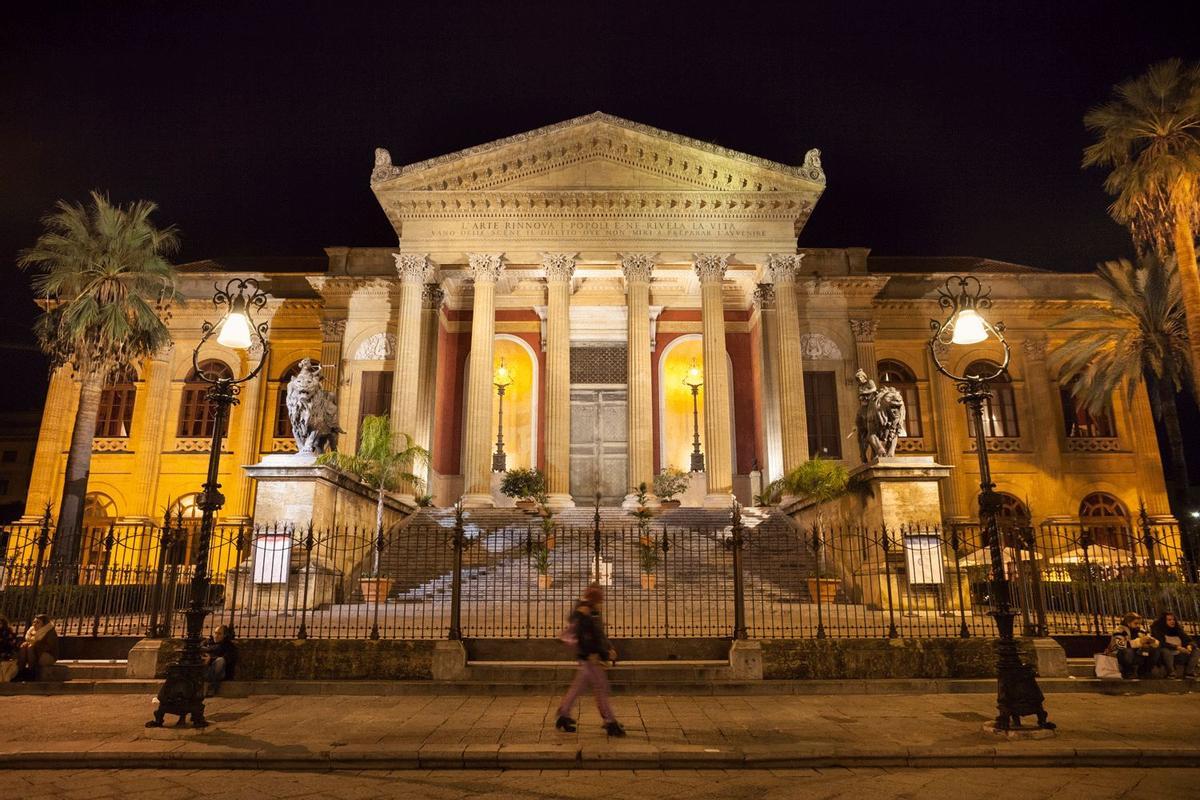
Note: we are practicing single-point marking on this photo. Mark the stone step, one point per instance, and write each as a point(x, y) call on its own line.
point(1081, 667)
point(94, 669)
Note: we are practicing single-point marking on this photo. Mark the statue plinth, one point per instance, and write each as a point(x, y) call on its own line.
point(903, 491)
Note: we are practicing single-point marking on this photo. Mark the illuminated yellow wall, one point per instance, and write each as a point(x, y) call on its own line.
point(677, 403)
point(518, 403)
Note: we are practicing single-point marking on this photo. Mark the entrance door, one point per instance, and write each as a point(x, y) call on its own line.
point(599, 445)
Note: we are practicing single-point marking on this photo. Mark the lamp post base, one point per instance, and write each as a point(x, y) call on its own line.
point(1017, 692)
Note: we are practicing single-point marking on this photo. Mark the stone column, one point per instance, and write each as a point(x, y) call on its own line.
point(950, 427)
point(1147, 457)
point(782, 269)
point(768, 325)
point(1045, 419)
point(638, 269)
point(412, 269)
point(431, 311)
point(717, 435)
point(560, 268)
point(332, 333)
point(148, 451)
point(53, 434)
point(246, 446)
point(477, 437)
point(864, 345)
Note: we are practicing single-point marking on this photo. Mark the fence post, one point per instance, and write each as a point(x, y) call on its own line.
point(737, 542)
point(456, 582)
point(886, 545)
point(1148, 542)
point(43, 542)
point(596, 541)
point(153, 630)
point(302, 633)
point(1018, 567)
point(816, 548)
point(240, 544)
point(1085, 541)
point(378, 546)
point(109, 540)
point(1038, 590)
point(963, 631)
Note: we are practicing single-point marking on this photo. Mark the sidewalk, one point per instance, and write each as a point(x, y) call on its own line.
point(459, 731)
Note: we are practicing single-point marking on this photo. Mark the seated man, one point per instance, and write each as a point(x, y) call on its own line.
point(1135, 649)
point(40, 648)
point(1180, 653)
point(220, 658)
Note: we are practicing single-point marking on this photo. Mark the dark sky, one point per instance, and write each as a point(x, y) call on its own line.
point(945, 128)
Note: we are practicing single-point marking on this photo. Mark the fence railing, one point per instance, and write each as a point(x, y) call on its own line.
point(444, 577)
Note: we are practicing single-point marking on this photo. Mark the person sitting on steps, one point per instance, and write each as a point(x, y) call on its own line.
point(1136, 650)
point(220, 658)
point(1179, 652)
point(40, 648)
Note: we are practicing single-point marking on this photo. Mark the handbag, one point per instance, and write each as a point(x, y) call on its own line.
point(1107, 668)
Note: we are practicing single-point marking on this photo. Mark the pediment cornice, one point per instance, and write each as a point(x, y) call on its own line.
point(679, 160)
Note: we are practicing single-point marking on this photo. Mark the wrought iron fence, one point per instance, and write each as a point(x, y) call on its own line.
point(439, 576)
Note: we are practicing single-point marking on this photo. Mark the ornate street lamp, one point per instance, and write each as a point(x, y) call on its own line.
point(694, 379)
point(501, 380)
point(183, 691)
point(1017, 692)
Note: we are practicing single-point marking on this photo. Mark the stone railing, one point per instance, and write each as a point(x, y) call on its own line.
point(912, 444)
point(1099, 444)
point(1000, 444)
point(283, 446)
point(113, 444)
point(198, 445)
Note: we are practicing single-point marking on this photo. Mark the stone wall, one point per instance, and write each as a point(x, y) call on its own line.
point(333, 659)
point(857, 659)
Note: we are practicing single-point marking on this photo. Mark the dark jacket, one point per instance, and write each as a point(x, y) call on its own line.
point(223, 649)
point(8, 642)
point(1160, 631)
point(589, 631)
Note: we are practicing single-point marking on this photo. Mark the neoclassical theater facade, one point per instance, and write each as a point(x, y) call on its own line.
point(599, 260)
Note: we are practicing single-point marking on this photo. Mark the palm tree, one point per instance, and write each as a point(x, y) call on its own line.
point(1149, 133)
point(379, 466)
point(105, 284)
point(1140, 334)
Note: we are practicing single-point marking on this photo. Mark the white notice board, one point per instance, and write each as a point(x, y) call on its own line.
point(272, 557)
point(923, 557)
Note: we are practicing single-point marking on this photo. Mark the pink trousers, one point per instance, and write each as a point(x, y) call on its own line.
point(589, 672)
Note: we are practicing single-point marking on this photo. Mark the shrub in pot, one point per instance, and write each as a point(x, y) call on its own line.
point(525, 486)
point(669, 484)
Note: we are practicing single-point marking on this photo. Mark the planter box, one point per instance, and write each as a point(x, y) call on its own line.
point(825, 588)
point(375, 589)
point(649, 581)
point(545, 581)
point(668, 504)
point(528, 506)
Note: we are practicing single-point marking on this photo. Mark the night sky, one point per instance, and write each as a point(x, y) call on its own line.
point(945, 129)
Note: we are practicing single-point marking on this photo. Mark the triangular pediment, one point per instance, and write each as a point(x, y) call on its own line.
point(597, 152)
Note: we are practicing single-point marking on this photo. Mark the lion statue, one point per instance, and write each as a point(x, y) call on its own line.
point(880, 419)
point(312, 411)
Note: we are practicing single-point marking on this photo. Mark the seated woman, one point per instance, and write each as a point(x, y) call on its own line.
point(1136, 650)
point(40, 648)
point(220, 658)
point(1180, 653)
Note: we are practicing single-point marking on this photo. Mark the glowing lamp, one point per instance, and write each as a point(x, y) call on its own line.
point(694, 377)
point(969, 327)
point(235, 330)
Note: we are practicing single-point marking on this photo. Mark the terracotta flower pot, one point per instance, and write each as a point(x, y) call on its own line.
point(545, 581)
point(528, 506)
point(375, 589)
point(669, 503)
point(649, 581)
point(551, 540)
point(826, 588)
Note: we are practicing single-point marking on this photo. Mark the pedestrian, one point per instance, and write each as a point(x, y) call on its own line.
point(1177, 648)
point(220, 658)
point(585, 630)
point(40, 648)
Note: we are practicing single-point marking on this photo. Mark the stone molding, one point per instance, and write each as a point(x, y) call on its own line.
point(764, 295)
point(432, 295)
point(782, 268)
point(637, 267)
point(559, 267)
point(333, 329)
point(710, 267)
point(1035, 348)
point(378, 347)
point(864, 329)
point(486, 267)
point(819, 347)
point(412, 267)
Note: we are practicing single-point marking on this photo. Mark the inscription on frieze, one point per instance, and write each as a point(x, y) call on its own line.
point(592, 228)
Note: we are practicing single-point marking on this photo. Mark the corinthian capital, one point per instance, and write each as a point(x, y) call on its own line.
point(781, 268)
point(864, 329)
point(764, 295)
point(486, 267)
point(432, 295)
point(1035, 348)
point(637, 267)
point(559, 267)
point(710, 267)
point(333, 329)
point(412, 267)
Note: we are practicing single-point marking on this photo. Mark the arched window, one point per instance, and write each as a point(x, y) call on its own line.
point(195, 411)
point(999, 410)
point(1105, 520)
point(1082, 424)
point(283, 425)
point(99, 512)
point(186, 513)
point(115, 414)
point(897, 375)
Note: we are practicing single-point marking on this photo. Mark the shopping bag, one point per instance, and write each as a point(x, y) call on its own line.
point(8, 671)
point(1107, 667)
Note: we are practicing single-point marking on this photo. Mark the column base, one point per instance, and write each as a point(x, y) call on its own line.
point(478, 500)
point(559, 502)
point(630, 503)
point(719, 500)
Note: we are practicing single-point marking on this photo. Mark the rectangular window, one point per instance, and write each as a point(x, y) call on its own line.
point(115, 414)
point(376, 395)
point(821, 407)
point(1083, 425)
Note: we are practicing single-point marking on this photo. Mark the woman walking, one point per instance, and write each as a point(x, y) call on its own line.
point(592, 648)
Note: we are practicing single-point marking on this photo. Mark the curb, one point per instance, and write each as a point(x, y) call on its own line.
point(613, 757)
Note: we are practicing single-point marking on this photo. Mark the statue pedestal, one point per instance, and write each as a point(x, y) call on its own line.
point(902, 491)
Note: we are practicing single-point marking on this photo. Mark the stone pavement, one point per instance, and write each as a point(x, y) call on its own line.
point(461, 731)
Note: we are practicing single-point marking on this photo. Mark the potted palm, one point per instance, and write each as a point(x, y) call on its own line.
point(670, 483)
point(106, 286)
point(647, 543)
point(821, 481)
point(525, 486)
point(383, 469)
point(541, 562)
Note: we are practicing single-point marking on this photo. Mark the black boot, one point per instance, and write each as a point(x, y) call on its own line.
point(614, 728)
point(565, 724)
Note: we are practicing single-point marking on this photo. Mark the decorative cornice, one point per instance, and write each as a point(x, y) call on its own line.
point(629, 202)
point(485, 267)
point(559, 267)
point(764, 295)
point(710, 267)
point(412, 267)
point(637, 267)
point(332, 330)
point(432, 295)
point(864, 329)
point(782, 268)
